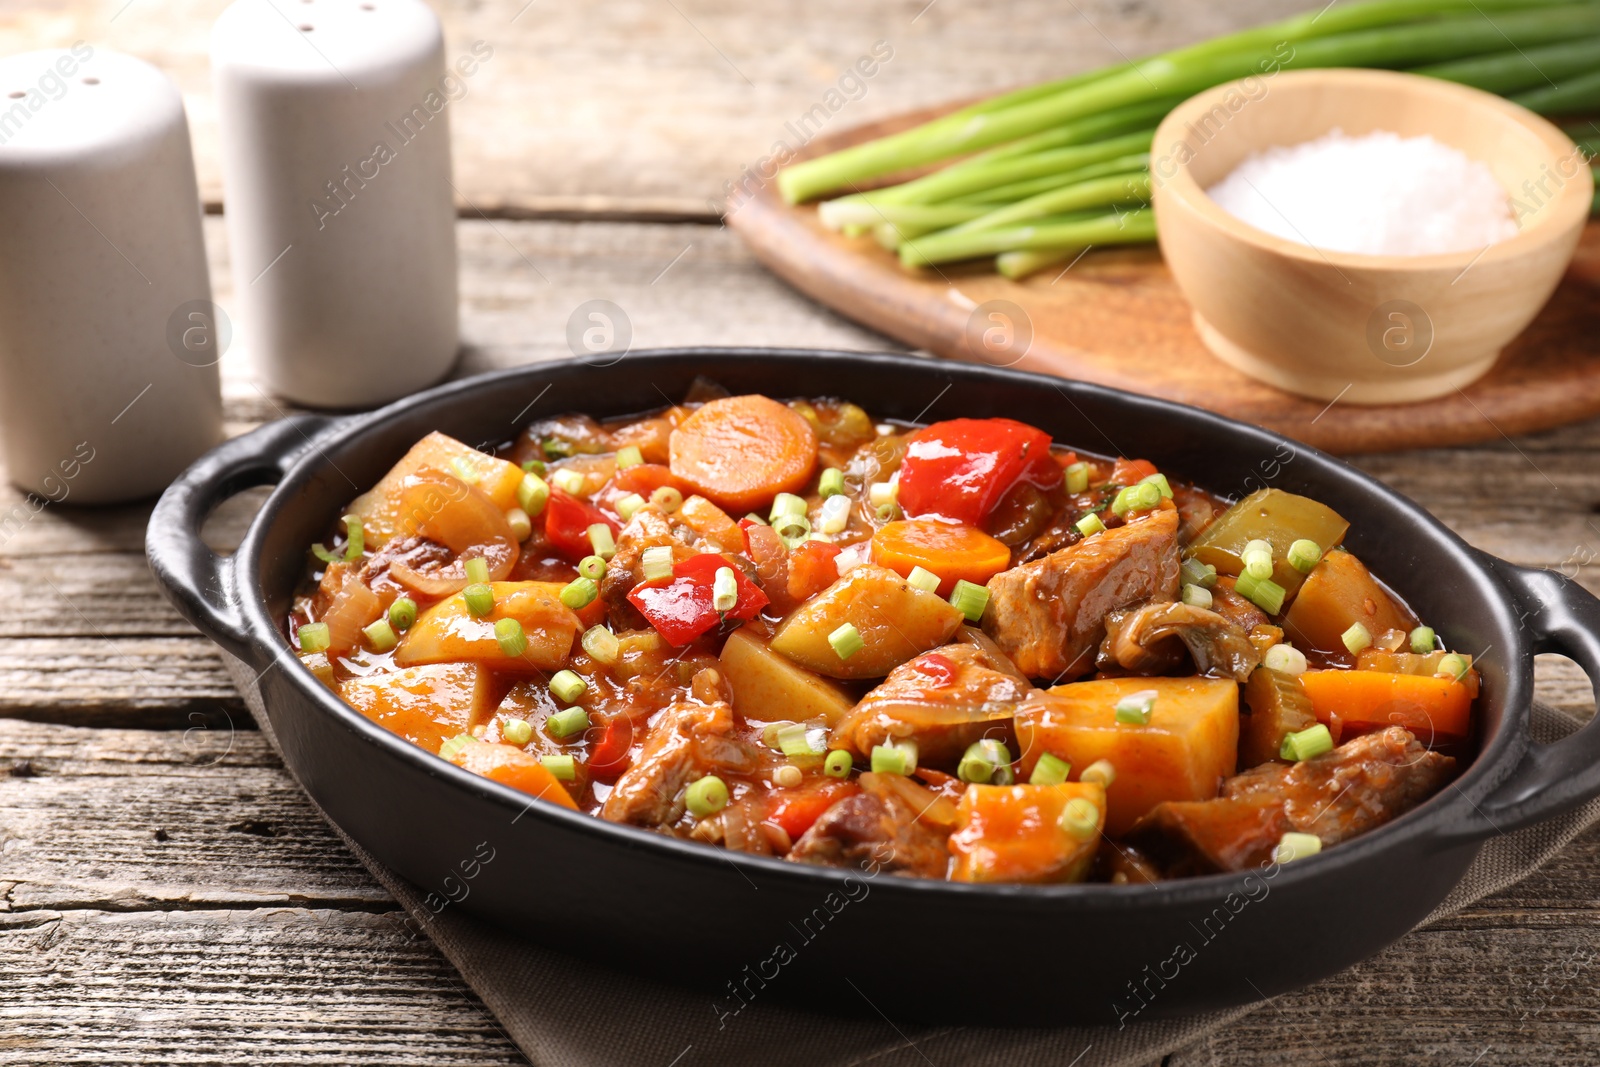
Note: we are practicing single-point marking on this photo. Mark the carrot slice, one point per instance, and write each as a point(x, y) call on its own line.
point(741, 451)
point(950, 550)
point(1363, 701)
point(513, 767)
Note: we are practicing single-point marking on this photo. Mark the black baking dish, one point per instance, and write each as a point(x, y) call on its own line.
point(1028, 955)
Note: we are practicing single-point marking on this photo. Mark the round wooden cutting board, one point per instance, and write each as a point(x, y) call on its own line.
point(1117, 318)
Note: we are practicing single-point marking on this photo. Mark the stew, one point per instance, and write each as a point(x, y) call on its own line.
point(959, 651)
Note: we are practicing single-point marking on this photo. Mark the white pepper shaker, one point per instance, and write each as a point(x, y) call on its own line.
point(334, 117)
point(102, 263)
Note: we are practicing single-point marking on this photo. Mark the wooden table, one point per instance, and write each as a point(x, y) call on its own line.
point(167, 895)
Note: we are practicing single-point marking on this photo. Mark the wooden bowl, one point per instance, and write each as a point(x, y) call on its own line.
point(1369, 329)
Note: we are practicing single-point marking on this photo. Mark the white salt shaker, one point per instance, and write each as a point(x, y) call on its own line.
point(334, 117)
point(102, 265)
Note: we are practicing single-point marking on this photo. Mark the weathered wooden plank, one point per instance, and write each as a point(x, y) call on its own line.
point(1487, 996)
point(148, 681)
point(640, 108)
point(266, 986)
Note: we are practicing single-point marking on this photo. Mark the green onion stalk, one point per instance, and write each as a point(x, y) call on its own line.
point(1036, 176)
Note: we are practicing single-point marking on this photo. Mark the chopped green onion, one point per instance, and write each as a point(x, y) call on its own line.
point(899, 757)
point(1453, 666)
point(724, 590)
point(787, 777)
point(1090, 525)
point(516, 731)
point(568, 481)
point(1303, 555)
point(970, 599)
point(831, 483)
point(1285, 659)
point(480, 599)
point(601, 645)
point(795, 740)
point(477, 570)
point(564, 724)
point(1356, 638)
point(561, 766)
point(1257, 559)
point(579, 593)
point(521, 525)
point(1080, 818)
point(355, 544)
point(629, 456)
point(982, 759)
point(706, 796)
point(888, 512)
point(1134, 709)
point(787, 504)
point(1312, 741)
point(555, 447)
point(846, 641)
point(924, 579)
point(605, 546)
point(883, 494)
point(792, 529)
point(1264, 593)
point(838, 764)
point(513, 642)
point(628, 505)
point(465, 471)
point(1293, 846)
point(656, 563)
point(835, 514)
point(381, 635)
point(1423, 640)
point(1140, 496)
point(667, 499)
point(757, 519)
point(1158, 480)
point(592, 567)
point(315, 637)
point(1101, 771)
point(1077, 477)
point(534, 466)
point(1196, 573)
point(402, 613)
point(1197, 596)
point(567, 686)
point(453, 747)
point(1050, 770)
point(532, 494)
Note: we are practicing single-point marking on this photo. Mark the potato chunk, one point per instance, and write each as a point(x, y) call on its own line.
point(1015, 833)
point(448, 631)
point(896, 621)
point(380, 509)
point(1184, 752)
point(768, 687)
point(426, 705)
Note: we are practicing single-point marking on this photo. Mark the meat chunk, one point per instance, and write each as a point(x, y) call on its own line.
point(943, 700)
point(878, 827)
point(688, 741)
point(698, 526)
point(1144, 640)
point(1049, 615)
point(1360, 785)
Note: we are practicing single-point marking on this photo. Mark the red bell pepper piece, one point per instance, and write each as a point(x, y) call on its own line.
point(796, 809)
point(680, 607)
point(566, 524)
point(962, 469)
point(611, 755)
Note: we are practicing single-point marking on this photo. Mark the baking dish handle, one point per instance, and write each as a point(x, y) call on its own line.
point(197, 580)
point(1550, 779)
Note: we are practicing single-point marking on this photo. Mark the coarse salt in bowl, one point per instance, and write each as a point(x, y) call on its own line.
point(1354, 248)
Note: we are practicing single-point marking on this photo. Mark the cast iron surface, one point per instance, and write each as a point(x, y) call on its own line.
point(745, 927)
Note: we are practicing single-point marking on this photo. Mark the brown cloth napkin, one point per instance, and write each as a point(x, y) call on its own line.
point(566, 1012)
